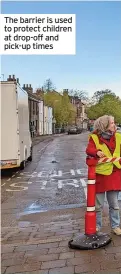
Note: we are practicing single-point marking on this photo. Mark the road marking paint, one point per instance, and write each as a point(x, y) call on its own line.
point(79, 171)
point(85, 191)
point(60, 173)
point(51, 176)
point(3, 184)
point(83, 182)
point(23, 182)
point(44, 185)
point(19, 186)
point(24, 188)
point(54, 173)
point(40, 174)
point(60, 184)
point(63, 182)
point(72, 172)
point(44, 147)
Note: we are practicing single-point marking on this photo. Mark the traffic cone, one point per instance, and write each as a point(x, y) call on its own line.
point(91, 239)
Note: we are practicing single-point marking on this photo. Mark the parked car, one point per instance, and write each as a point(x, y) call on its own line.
point(74, 130)
point(79, 130)
point(119, 129)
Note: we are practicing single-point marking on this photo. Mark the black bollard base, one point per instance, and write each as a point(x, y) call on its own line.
point(94, 241)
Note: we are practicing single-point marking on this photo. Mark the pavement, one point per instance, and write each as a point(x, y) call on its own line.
point(37, 139)
point(44, 207)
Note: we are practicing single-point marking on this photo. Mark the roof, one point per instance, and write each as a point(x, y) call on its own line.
point(33, 97)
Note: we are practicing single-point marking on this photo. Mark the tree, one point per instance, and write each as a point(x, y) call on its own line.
point(48, 85)
point(98, 95)
point(80, 94)
point(108, 104)
point(63, 111)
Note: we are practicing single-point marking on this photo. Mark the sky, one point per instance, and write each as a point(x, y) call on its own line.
point(97, 63)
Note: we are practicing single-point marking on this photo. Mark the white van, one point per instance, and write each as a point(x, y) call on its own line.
point(16, 144)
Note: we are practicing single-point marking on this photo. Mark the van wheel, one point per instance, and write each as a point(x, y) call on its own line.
point(30, 157)
point(22, 165)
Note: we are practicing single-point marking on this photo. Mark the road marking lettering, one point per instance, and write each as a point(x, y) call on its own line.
point(72, 172)
point(64, 182)
point(79, 171)
point(42, 174)
point(44, 185)
point(13, 176)
point(19, 186)
point(3, 184)
point(51, 177)
point(51, 174)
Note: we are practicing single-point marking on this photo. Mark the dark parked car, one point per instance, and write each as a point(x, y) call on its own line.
point(74, 130)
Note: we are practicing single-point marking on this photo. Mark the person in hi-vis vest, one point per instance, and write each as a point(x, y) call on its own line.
point(105, 141)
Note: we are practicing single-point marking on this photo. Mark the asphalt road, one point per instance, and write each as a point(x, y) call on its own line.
point(56, 178)
point(43, 207)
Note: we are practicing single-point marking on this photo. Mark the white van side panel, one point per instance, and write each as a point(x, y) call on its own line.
point(9, 122)
point(24, 132)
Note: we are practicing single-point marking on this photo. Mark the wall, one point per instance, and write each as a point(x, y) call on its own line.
point(41, 118)
point(45, 120)
point(50, 117)
point(33, 110)
point(34, 115)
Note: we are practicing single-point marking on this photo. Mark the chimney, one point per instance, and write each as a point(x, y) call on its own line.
point(28, 87)
point(9, 78)
point(17, 80)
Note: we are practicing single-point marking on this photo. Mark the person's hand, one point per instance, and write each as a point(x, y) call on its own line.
point(100, 154)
